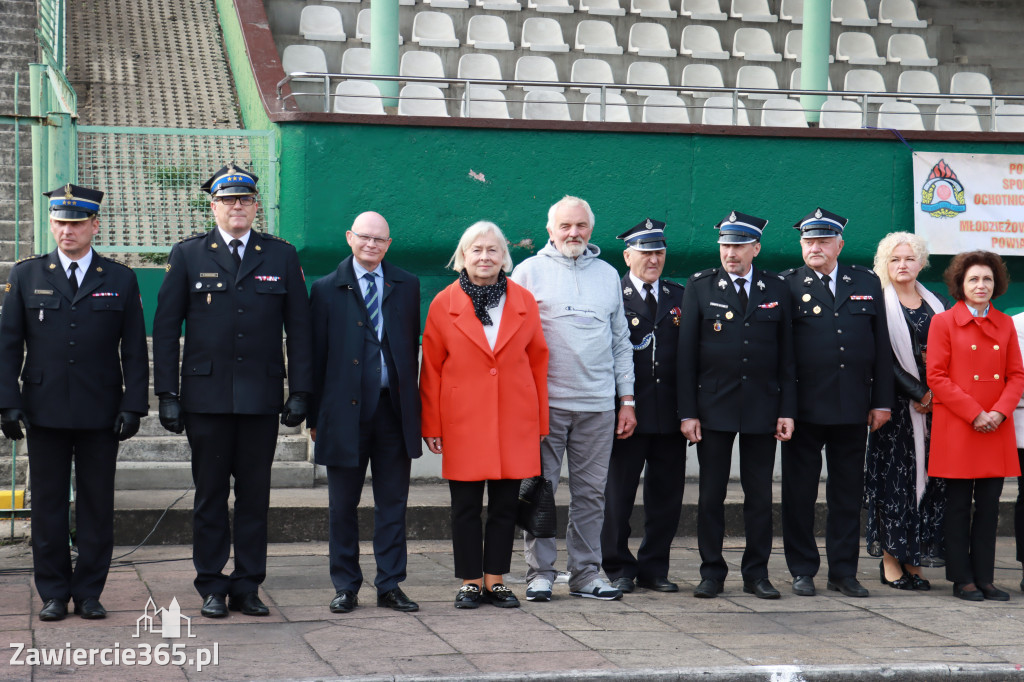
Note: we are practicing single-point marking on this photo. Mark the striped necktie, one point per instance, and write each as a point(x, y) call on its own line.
point(372, 300)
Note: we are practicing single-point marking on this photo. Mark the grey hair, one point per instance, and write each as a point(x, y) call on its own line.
point(474, 232)
point(568, 200)
point(889, 243)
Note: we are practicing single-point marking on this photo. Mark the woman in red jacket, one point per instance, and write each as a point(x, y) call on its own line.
point(483, 384)
point(976, 376)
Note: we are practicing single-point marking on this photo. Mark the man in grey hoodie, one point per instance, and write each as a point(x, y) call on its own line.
point(591, 361)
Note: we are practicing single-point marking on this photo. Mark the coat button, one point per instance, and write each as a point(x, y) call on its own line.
point(836, 314)
point(493, 372)
point(995, 376)
point(359, 323)
point(842, 366)
point(839, 331)
point(841, 348)
point(995, 347)
point(976, 377)
point(71, 362)
point(355, 361)
point(355, 402)
point(71, 343)
point(973, 347)
point(73, 325)
point(239, 358)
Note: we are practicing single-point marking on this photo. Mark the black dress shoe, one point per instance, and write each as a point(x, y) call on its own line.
point(904, 582)
point(214, 606)
point(803, 586)
point(54, 609)
point(919, 583)
point(848, 586)
point(761, 588)
point(468, 597)
point(967, 595)
point(500, 596)
point(397, 601)
point(344, 601)
point(626, 585)
point(708, 588)
point(993, 593)
point(657, 584)
point(90, 608)
point(249, 604)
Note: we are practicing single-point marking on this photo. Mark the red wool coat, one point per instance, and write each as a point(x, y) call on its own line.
point(489, 408)
point(974, 364)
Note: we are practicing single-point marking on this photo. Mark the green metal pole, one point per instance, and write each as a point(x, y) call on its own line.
point(38, 105)
point(384, 46)
point(61, 157)
point(814, 64)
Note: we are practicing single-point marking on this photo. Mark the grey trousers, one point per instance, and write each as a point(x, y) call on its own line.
point(586, 437)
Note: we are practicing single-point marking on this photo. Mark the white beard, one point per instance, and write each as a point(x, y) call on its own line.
point(572, 249)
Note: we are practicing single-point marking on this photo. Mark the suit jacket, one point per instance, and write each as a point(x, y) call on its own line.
point(654, 358)
point(233, 361)
point(736, 368)
point(84, 355)
point(490, 407)
point(843, 355)
point(343, 343)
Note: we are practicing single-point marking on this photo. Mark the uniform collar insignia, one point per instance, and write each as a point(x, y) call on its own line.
point(807, 280)
point(846, 278)
point(664, 290)
point(722, 284)
point(760, 284)
point(628, 291)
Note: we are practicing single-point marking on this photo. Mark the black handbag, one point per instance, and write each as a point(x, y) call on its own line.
point(536, 513)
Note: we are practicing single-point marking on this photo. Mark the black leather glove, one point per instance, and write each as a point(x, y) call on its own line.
point(9, 419)
point(295, 409)
point(126, 425)
point(170, 414)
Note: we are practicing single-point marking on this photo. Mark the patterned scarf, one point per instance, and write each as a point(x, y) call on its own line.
point(483, 297)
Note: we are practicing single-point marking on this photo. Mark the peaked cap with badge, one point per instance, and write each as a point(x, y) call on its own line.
point(821, 223)
point(72, 203)
point(740, 228)
point(231, 180)
point(648, 235)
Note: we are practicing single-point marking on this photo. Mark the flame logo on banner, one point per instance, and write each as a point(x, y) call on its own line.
point(942, 195)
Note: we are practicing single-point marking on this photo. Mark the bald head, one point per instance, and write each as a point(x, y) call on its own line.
point(369, 239)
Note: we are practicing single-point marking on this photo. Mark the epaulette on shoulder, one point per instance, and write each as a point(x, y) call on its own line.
point(274, 237)
point(786, 273)
point(32, 257)
point(118, 262)
point(772, 274)
point(861, 268)
point(672, 283)
point(194, 235)
point(703, 273)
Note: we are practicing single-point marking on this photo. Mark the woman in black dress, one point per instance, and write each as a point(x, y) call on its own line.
point(905, 507)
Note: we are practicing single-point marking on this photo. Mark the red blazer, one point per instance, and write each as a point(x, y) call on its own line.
point(490, 408)
point(974, 364)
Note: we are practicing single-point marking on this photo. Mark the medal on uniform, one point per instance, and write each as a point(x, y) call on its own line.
point(805, 298)
point(635, 322)
point(718, 326)
point(728, 315)
point(209, 299)
point(817, 310)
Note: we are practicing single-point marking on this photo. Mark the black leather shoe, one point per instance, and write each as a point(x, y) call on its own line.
point(803, 586)
point(657, 584)
point(500, 596)
point(90, 608)
point(761, 588)
point(626, 585)
point(904, 582)
point(708, 588)
point(993, 593)
point(249, 604)
point(397, 601)
point(214, 606)
point(919, 583)
point(848, 586)
point(54, 609)
point(967, 595)
point(344, 601)
point(468, 597)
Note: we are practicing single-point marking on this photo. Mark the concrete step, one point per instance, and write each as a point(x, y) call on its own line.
point(174, 448)
point(151, 476)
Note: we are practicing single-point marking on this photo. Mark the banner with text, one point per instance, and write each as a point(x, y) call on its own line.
point(964, 202)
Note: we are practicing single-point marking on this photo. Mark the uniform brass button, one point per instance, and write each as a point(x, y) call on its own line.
point(355, 361)
point(973, 347)
point(744, 359)
point(745, 342)
point(355, 402)
point(657, 381)
point(839, 331)
point(835, 314)
point(841, 348)
point(841, 366)
point(995, 376)
point(995, 347)
point(655, 364)
point(359, 323)
point(746, 324)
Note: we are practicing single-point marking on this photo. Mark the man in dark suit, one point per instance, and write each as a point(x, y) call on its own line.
point(844, 387)
point(736, 377)
point(652, 307)
point(72, 327)
point(366, 406)
point(236, 289)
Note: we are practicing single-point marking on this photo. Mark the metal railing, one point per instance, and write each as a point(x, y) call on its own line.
point(52, 32)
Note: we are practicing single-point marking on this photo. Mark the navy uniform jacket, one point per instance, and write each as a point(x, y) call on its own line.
point(84, 356)
point(736, 369)
point(344, 345)
point(654, 365)
point(233, 361)
point(844, 359)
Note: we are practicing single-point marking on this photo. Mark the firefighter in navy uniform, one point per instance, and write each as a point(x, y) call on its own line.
point(72, 327)
point(236, 289)
point(844, 387)
point(736, 378)
point(652, 307)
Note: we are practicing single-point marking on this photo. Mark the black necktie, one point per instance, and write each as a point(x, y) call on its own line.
point(825, 279)
point(235, 245)
point(652, 303)
point(741, 291)
point(73, 278)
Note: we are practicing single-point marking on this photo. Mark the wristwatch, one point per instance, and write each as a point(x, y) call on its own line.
point(628, 403)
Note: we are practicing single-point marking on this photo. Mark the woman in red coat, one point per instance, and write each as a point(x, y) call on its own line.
point(976, 376)
point(483, 384)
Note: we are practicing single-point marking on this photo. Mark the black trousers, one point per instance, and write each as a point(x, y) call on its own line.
point(225, 446)
point(382, 447)
point(971, 538)
point(844, 490)
point(757, 463)
point(664, 455)
point(50, 453)
point(495, 555)
point(1018, 511)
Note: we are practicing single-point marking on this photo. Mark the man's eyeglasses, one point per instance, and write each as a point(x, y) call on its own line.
point(245, 200)
point(366, 239)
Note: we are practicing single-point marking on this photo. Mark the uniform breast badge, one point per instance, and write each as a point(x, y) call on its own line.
point(717, 326)
point(676, 314)
point(805, 298)
point(635, 322)
point(817, 310)
point(728, 315)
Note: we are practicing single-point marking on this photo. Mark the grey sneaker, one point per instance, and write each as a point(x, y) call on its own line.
point(539, 589)
point(597, 589)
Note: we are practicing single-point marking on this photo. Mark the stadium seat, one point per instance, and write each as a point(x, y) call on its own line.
point(536, 68)
point(499, 5)
point(597, 37)
point(592, 71)
point(309, 58)
point(342, 0)
point(783, 113)
point(858, 49)
point(646, 73)
point(553, 6)
point(900, 13)
point(972, 83)
point(433, 29)
point(794, 46)
point(909, 50)
point(956, 117)
point(417, 99)
point(754, 45)
point(543, 105)
point(615, 108)
point(702, 42)
point(900, 115)
point(701, 75)
point(356, 60)
point(703, 10)
point(1009, 118)
point(483, 102)
point(477, 66)
point(717, 111)
point(864, 80)
point(541, 34)
point(852, 13)
point(320, 22)
point(838, 113)
point(488, 32)
point(792, 11)
point(761, 78)
point(363, 27)
point(654, 9)
point(425, 64)
point(919, 83)
point(665, 108)
point(650, 40)
point(752, 10)
point(357, 97)
point(448, 4)
point(606, 8)
point(794, 81)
